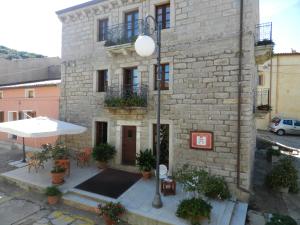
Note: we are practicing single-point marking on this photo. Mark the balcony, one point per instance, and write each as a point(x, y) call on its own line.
point(263, 100)
point(263, 43)
point(121, 37)
point(129, 99)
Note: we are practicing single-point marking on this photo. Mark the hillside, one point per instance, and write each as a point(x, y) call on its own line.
point(10, 54)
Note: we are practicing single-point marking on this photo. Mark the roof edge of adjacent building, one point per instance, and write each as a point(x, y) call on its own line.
point(37, 83)
point(80, 6)
point(287, 53)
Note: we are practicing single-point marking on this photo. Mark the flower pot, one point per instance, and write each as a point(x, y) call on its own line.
point(146, 175)
point(57, 178)
point(64, 163)
point(284, 190)
point(102, 165)
point(53, 200)
point(108, 221)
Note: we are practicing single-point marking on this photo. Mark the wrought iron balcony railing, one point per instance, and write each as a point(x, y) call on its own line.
point(263, 34)
point(127, 96)
point(124, 33)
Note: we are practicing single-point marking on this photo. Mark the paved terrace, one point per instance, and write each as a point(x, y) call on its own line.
point(137, 199)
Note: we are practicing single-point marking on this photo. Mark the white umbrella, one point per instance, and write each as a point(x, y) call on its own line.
point(39, 127)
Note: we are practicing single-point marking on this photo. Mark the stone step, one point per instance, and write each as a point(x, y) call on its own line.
point(239, 214)
point(88, 203)
point(225, 216)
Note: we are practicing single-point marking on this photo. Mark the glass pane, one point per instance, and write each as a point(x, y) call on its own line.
point(135, 80)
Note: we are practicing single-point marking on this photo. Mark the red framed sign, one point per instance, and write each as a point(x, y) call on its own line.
point(202, 140)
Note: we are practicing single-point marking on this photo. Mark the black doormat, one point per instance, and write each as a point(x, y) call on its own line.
point(110, 182)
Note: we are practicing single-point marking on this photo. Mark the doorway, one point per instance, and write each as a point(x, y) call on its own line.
point(128, 145)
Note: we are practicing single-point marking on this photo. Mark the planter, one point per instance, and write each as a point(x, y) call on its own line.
point(64, 163)
point(108, 221)
point(102, 165)
point(284, 190)
point(146, 175)
point(57, 178)
point(52, 200)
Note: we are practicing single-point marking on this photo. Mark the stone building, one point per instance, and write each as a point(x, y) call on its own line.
point(201, 74)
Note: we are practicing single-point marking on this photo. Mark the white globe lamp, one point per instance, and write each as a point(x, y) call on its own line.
point(144, 46)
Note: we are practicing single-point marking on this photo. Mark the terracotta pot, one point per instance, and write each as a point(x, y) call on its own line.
point(53, 200)
point(102, 165)
point(108, 221)
point(64, 163)
point(146, 175)
point(58, 178)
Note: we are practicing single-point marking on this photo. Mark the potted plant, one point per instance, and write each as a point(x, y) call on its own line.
point(194, 210)
point(53, 194)
point(111, 212)
point(283, 177)
point(277, 219)
point(145, 161)
point(102, 153)
point(57, 174)
point(216, 188)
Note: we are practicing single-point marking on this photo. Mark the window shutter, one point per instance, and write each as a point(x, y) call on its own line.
point(1, 117)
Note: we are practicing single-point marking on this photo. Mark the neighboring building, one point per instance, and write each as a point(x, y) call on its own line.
point(278, 87)
point(29, 88)
point(200, 78)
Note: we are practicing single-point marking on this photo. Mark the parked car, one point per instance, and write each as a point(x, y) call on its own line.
point(283, 126)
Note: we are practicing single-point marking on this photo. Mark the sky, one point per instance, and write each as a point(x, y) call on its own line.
point(32, 25)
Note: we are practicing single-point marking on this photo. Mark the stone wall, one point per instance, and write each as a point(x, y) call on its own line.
point(202, 49)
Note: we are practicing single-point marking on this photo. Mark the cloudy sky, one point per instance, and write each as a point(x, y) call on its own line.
point(33, 26)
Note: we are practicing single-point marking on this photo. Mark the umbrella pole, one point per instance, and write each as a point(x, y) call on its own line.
point(24, 155)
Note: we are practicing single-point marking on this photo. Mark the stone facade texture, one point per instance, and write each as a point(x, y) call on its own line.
point(202, 48)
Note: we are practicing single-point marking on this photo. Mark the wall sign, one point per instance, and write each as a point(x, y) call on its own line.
point(202, 140)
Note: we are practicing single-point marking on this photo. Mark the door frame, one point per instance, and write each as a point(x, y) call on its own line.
point(119, 137)
point(171, 147)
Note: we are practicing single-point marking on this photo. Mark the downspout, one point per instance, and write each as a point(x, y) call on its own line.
point(240, 100)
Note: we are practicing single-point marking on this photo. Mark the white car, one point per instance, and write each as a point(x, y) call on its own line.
point(283, 126)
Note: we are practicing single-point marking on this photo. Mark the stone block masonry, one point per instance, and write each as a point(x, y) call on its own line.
point(201, 48)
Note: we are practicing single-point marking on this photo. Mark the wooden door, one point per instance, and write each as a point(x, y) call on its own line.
point(129, 145)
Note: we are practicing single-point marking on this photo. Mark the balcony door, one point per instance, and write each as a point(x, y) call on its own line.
point(131, 81)
point(131, 24)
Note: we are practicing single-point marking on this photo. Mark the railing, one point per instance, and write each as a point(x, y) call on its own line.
point(120, 34)
point(263, 99)
point(263, 34)
point(127, 96)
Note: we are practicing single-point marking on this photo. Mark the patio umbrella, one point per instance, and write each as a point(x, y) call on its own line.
point(39, 127)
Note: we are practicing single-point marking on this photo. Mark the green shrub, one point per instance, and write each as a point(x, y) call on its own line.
point(283, 175)
point(193, 209)
point(52, 191)
point(216, 188)
point(281, 220)
point(112, 210)
point(131, 101)
point(103, 152)
point(200, 182)
point(145, 160)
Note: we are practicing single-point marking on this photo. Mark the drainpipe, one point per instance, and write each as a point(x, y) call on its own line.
point(240, 100)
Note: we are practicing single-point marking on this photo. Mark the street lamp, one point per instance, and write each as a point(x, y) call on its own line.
point(145, 47)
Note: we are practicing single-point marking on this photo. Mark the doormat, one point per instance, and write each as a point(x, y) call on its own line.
point(110, 182)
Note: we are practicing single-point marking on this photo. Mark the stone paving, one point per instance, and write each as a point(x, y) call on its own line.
point(265, 201)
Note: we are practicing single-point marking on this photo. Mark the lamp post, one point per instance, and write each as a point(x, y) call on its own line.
point(145, 47)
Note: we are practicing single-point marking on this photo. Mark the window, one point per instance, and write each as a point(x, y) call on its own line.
point(12, 116)
point(163, 15)
point(29, 93)
point(101, 133)
point(1, 94)
point(131, 81)
point(261, 80)
point(27, 114)
point(103, 28)
point(132, 24)
point(288, 122)
point(102, 78)
point(297, 123)
point(1, 117)
point(165, 79)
